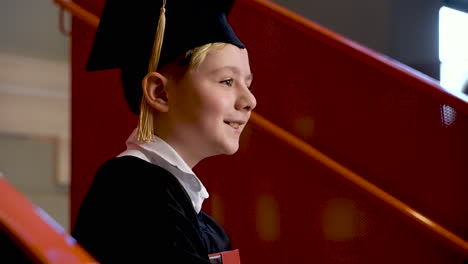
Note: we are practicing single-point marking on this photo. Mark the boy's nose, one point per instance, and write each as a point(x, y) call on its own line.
point(246, 100)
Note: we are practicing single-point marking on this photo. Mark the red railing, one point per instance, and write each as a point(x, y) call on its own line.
point(35, 232)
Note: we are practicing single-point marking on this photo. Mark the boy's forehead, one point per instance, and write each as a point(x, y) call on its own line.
point(229, 58)
point(233, 70)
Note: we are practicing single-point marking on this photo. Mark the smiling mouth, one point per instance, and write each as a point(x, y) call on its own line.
point(234, 125)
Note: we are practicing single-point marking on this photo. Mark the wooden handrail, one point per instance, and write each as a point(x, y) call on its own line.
point(79, 12)
point(445, 235)
point(283, 135)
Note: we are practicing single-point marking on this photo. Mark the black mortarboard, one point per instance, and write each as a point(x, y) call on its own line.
point(126, 33)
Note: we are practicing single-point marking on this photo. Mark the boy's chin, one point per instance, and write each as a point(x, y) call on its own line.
point(230, 150)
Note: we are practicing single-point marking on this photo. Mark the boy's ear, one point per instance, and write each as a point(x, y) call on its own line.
point(154, 91)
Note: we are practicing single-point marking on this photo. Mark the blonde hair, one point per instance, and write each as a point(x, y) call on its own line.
point(197, 55)
point(190, 61)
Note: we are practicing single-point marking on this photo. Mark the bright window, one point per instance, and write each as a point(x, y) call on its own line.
point(453, 48)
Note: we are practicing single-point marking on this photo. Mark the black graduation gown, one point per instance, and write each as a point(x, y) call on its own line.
point(138, 212)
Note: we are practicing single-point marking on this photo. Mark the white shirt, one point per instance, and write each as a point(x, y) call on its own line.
point(158, 148)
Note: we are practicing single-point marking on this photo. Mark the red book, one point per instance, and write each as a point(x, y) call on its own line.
point(225, 257)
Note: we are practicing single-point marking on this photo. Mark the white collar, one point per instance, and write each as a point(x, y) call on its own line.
point(153, 151)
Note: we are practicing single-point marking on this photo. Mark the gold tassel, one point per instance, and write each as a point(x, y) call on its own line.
point(146, 120)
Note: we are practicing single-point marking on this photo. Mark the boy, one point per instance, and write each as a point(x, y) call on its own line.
point(190, 76)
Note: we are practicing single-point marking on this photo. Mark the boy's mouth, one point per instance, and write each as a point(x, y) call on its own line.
point(234, 124)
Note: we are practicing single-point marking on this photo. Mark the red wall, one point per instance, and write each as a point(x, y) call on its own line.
point(382, 120)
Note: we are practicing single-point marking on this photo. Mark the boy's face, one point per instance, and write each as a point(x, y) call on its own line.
point(210, 106)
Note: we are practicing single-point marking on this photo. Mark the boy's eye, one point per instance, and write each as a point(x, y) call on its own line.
point(228, 82)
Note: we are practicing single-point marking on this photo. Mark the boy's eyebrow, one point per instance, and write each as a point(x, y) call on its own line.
point(234, 69)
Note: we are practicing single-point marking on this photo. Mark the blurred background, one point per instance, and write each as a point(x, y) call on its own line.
point(35, 75)
point(34, 103)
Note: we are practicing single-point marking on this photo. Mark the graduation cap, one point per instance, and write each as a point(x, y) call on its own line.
point(127, 32)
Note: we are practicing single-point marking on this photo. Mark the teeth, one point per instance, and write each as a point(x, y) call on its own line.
point(234, 124)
